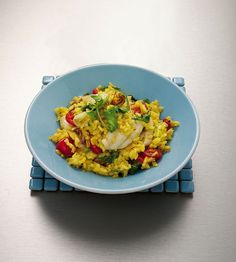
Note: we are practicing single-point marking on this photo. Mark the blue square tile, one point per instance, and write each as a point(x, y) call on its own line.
point(178, 81)
point(34, 162)
point(36, 184)
point(189, 164)
point(47, 175)
point(175, 177)
point(172, 186)
point(47, 79)
point(50, 184)
point(158, 189)
point(186, 174)
point(186, 186)
point(65, 187)
point(37, 172)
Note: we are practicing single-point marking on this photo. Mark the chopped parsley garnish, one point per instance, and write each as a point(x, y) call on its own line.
point(103, 88)
point(121, 110)
point(112, 118)
point(146, 100)
point(134, 167)
point(133, 98)
point(144, 118)
point(94, 108)
point(106, 160)
point(92, 114)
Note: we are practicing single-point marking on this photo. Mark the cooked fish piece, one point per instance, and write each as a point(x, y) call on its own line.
point(113, 140)
point(131, 137)
point(118, 140)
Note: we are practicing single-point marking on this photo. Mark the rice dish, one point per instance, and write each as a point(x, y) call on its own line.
point(111, 133)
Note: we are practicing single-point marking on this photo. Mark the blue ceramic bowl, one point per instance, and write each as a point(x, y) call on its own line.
point(40, 123)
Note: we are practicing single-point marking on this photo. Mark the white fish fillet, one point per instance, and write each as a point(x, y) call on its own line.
point(113, 140)
point(118, 140)
point(131, 137)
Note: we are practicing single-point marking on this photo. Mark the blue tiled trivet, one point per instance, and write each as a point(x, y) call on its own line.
point(180, 183)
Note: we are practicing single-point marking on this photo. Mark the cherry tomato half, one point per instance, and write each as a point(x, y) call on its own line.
point(141, 158)
point(168, 122)
point(155, 153)
point(69, 118)
point(95, 149)
point(64, 148)
point(136, 109)
point(95, 91)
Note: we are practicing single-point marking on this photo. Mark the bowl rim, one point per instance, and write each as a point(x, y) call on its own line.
point(112, 191)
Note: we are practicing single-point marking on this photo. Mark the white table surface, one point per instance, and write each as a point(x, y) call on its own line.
point(194, 39)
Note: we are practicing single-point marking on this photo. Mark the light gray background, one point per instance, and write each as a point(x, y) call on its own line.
point(195, 39)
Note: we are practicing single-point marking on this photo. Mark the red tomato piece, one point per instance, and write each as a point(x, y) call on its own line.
point(136, 109)
point(95, 91)
point(153, 152)
point(141, 158)
point(64, 148)
point(168, 122)
point(95, 149)
point(69, 118)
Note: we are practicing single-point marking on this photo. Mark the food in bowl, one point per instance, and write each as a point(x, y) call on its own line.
point(111, 133)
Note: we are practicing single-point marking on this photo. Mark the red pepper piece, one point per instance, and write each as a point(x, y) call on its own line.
point(95, 91)
point(155, 153)
point(69, 118)
point(141, 158)
point(96, 149)
point(168, 122)
point(64, 148)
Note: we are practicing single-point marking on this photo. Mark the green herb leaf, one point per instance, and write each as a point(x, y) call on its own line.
point(99, 101)
point(134, 167)
point(127, 102)
point(112, 119)
point(121, 110)
point(96, 98)
point(133, 98)
point(106, 160)
point(115, 87)
point(88, 106)
point(144, 118)
point(92, 114)
point(103, 88)
point(146, 100)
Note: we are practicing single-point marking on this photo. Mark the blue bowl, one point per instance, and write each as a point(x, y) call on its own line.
point(40, 123)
